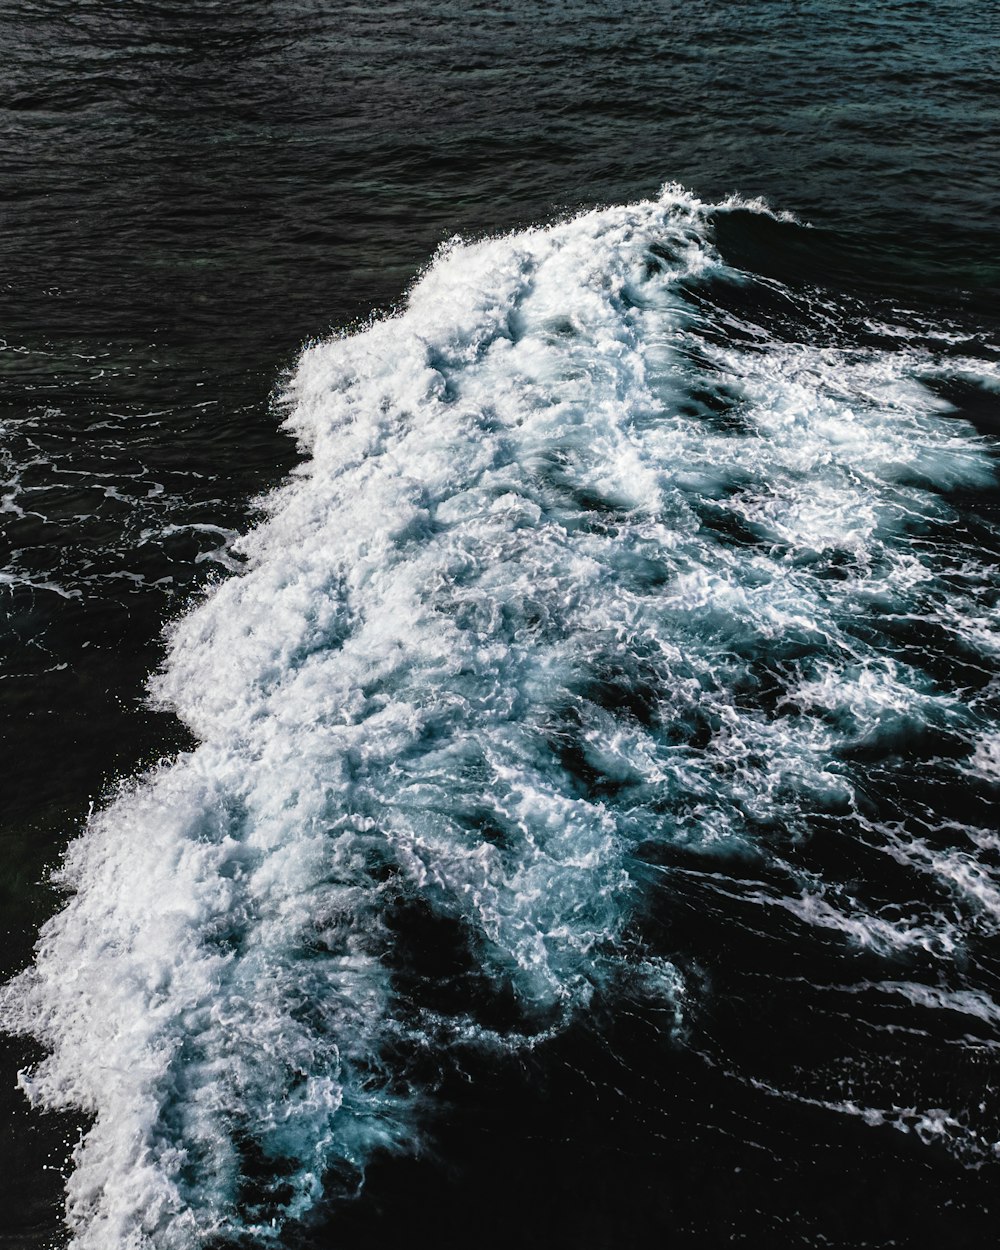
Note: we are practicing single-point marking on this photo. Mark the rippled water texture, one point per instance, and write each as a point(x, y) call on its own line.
point(579, 777)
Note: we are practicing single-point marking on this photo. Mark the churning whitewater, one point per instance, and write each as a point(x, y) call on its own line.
point(602, 547)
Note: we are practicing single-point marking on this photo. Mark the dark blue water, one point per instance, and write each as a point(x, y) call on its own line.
point(699, 673)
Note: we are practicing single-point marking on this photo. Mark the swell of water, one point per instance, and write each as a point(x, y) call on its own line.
point(586, 564)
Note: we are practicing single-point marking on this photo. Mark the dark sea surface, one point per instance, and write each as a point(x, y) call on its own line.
point(570, 818)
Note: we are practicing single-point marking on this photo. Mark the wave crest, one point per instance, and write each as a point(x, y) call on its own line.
point(581, 564)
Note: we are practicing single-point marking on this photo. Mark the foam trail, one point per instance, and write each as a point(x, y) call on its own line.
point(495, 635)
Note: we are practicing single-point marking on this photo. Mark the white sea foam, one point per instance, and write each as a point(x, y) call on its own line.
point(932, 1125)
point(985, 761)
point(501, 628)
point(973, 1003)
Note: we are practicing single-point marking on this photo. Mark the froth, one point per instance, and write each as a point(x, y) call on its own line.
point(494, 636)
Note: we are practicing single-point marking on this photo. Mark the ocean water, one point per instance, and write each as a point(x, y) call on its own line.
point(500, 582)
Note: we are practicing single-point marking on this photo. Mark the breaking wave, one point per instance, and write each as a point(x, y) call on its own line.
point(604, 554)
